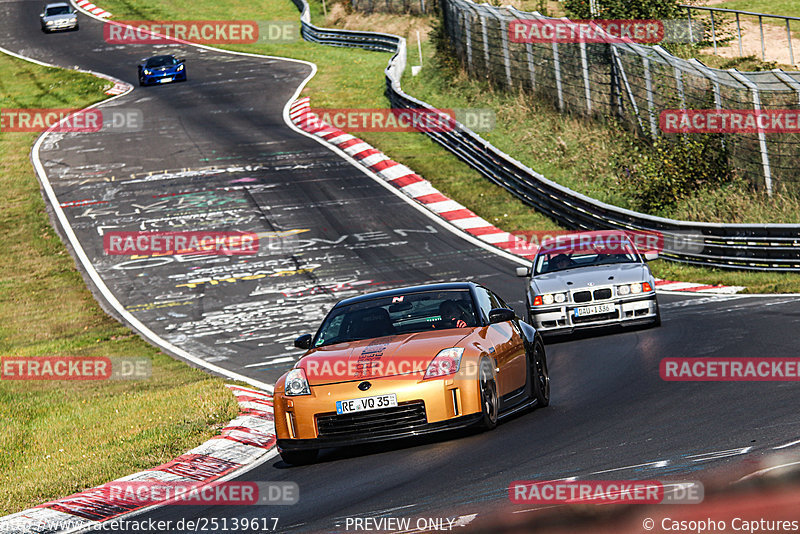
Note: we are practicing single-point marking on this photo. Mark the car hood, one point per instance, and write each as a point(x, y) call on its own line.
point(620, 273)
point(386, 356)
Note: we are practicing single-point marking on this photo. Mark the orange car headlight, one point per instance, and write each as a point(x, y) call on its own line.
point(447, 362)
point(296, 383)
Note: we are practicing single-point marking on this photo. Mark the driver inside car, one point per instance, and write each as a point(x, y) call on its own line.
point(453, 316)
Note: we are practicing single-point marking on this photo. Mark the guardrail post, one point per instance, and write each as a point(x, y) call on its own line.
point(713, 32)
point(468, 37)
point(651, 108)
point(615, 54)
point(504, 43)
point(789, 36)
point(739, 33)
point(586, 86)
point(531, 66)
point(761, 27)
point(557, 68)
point(762, 139)
point(485, 44)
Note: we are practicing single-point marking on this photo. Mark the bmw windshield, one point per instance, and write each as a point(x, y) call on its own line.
point(587, 254)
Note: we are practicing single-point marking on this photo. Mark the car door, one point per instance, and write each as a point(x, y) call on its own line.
point(505, 345)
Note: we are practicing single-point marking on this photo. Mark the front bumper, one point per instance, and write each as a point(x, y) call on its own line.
point(424, 407)
point(60, 25)
point(561, 319)
point(163, 77)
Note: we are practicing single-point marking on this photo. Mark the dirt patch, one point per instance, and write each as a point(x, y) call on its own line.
point(776, 44)
point(403, 25)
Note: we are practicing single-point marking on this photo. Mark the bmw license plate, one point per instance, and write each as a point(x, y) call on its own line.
point(164, 80)
point(366, 403)
point(594, 310)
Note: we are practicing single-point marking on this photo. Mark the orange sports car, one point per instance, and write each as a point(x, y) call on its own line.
point(407, 362)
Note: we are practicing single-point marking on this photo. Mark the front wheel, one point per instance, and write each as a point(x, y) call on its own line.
point(299, 457)
point(489, 400)
point(539, 375)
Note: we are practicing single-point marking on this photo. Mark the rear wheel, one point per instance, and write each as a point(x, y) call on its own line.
point(489, 400)
point(539, 375)
point(299, 457)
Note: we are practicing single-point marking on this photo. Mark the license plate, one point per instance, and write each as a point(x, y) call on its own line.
point(366, 403)
point(594, 310)
point(164, 80)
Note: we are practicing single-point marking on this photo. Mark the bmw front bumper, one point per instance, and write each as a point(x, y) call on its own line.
point(562, 319)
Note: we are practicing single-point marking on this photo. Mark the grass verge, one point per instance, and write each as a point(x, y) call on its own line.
point(566, 149)
point(60, 437)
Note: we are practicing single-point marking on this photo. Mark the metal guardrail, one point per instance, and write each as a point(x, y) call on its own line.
point(759, 247)
point(738, 13)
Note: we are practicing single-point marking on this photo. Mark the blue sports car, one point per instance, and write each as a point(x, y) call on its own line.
point(162, 69)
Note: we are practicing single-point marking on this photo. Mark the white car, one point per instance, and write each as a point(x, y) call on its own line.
point(58, 16)
point(590, 279)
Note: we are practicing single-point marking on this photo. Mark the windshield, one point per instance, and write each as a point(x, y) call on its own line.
point(58, 10)
point(562, 259)
point(161, 61)
point(398, 314)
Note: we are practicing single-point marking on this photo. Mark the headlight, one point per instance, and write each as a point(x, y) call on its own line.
point(180, 67)
point(73, 19)
point(296, 383)
point(146, 71)
point(635, 288)
point(50, 22)
point(447, 362)
point(549, 298)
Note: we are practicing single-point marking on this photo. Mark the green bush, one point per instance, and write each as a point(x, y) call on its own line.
point(624, 9)
point(657, 174)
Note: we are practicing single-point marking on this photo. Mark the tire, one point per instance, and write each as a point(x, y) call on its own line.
point(657, 321)
point(490, 402)
point(540, 378)
point(299, 457)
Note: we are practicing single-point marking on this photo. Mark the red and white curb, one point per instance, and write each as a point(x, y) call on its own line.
point(245, 440)
point(93, 9)
point(690, 287)
point(404, 179)
point(423, 192)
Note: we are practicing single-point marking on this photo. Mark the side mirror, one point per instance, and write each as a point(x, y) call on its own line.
point(303, 342)
point(501, 315)
point(650, 256)
point(523, 271)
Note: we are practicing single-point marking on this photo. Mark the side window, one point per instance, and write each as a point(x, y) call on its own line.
point(484, 303)
point(496, 301)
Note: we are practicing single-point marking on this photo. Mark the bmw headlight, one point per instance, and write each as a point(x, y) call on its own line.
point(296, 383)
point(550, 298)
point(634, 289)
point(50, 22)
point(180, 67)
